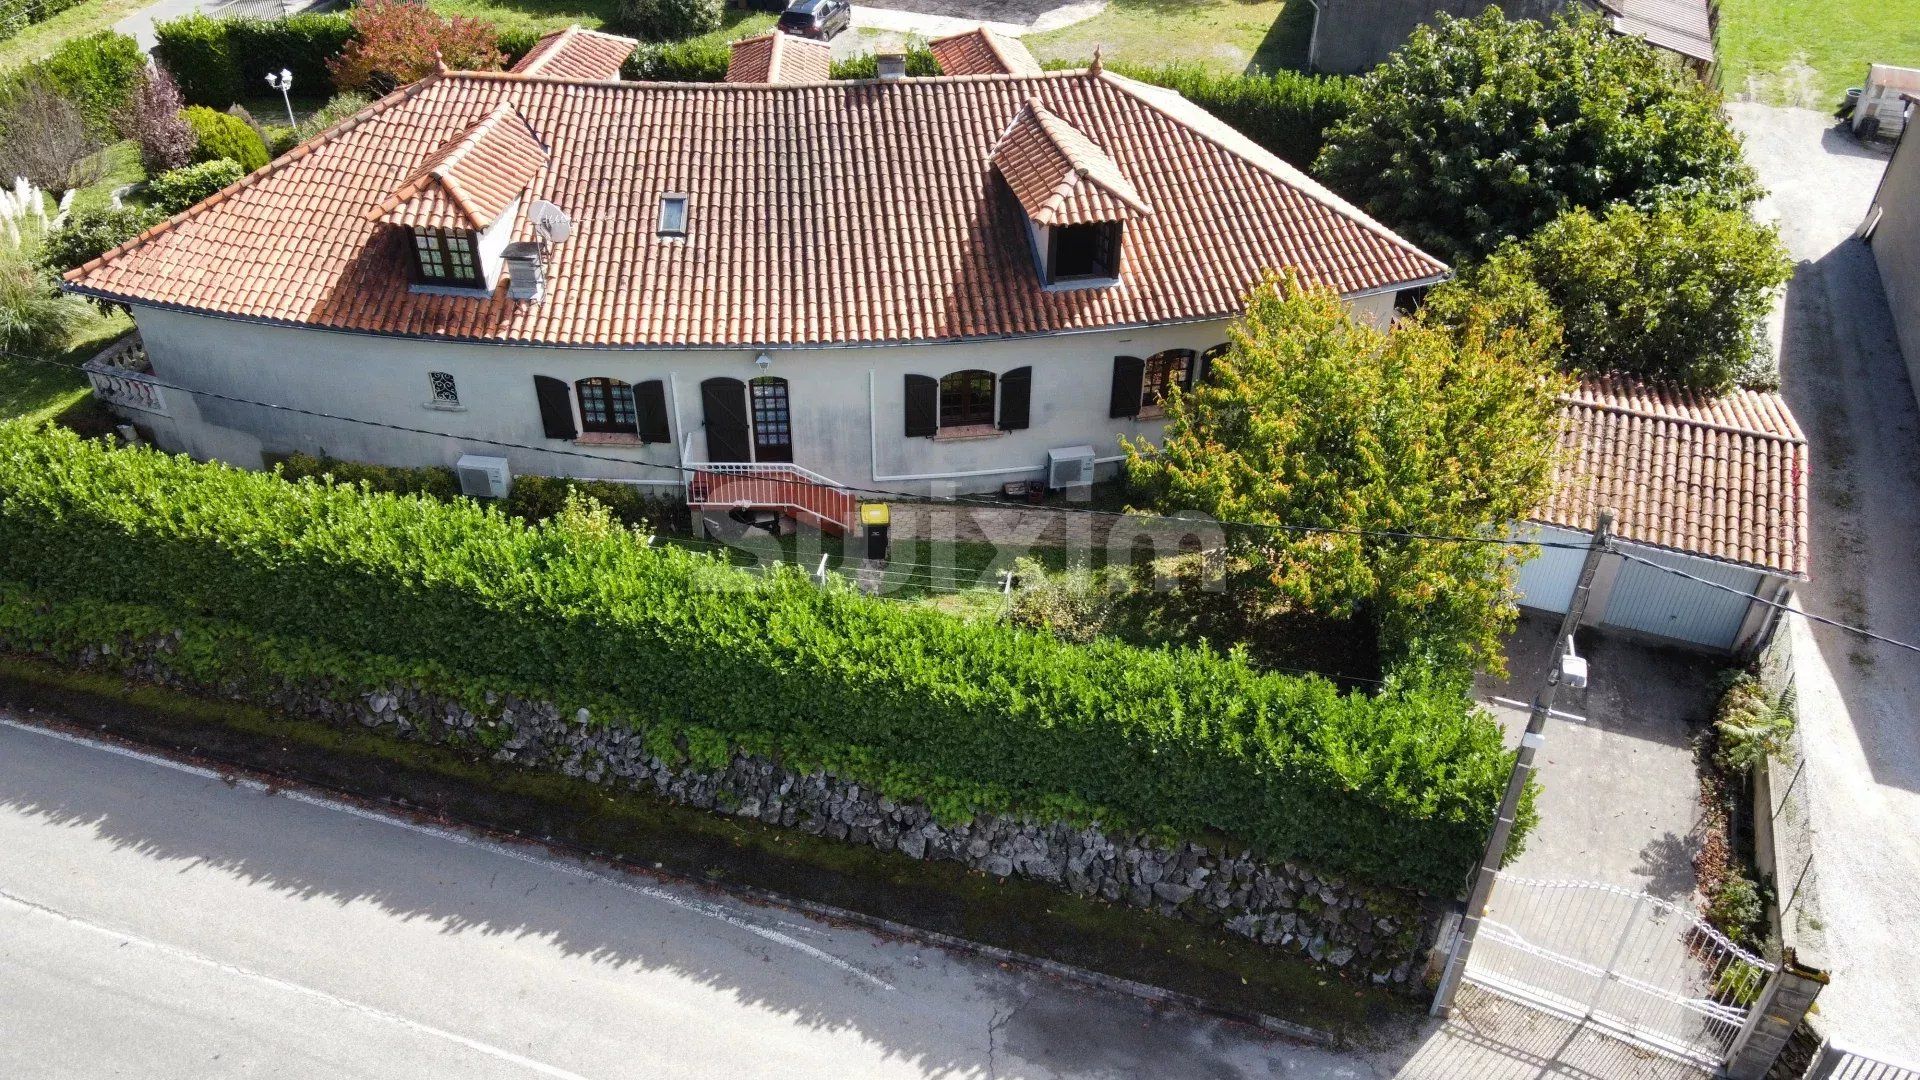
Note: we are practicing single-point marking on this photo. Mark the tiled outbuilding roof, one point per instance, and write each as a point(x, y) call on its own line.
point(834, 213)
point(469, 182)
point(1059, 176)
point(577, 53)
point(774, 57)
point(1722, 477)
point(982, 52)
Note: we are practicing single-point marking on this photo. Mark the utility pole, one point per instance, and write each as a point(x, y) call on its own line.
point(1523, 770)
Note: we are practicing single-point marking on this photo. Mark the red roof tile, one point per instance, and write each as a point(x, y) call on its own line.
point(1059, 176)
point(774, 57)
point(851, 212)
point(577, 53)
point(471, 180)
point(1721, 477)
point(982, 52)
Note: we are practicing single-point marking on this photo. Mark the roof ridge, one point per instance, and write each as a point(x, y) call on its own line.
point(1795, 439)
point(299, 152)
point(723, 87)
point(1286, 173)
point(1047, 118)
point(553, 41)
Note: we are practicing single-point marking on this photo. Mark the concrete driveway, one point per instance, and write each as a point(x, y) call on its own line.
point(1620, 794)
point(1859, 702)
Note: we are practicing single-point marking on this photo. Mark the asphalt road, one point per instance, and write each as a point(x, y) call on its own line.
point(1843, 374)
point(159, 923)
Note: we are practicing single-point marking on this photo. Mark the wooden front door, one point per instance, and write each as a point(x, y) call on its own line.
point(728, 434)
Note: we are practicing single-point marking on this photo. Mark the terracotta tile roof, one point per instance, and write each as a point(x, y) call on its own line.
point(982, 52)
point(472, 179)
point(577, 53)
point(835, 213)
point(1721, 477)
point(774, 57)
point(1059, 176)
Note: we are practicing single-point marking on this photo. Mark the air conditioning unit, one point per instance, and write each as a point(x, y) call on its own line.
point(1070, 466)
point(483, 477)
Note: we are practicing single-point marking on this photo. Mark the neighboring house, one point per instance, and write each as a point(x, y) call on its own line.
point(1892, 231)
point(1713, 487)
point(889, 283)
point(1354, 35)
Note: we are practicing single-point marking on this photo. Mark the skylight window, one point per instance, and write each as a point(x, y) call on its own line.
point(673, 215)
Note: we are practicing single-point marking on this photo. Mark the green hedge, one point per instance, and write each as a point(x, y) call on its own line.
point(97, 73)
point(705, 60)
point(1395, 789)
point(218, 135)
point(220, 60)
point(530, 498)
point(1286, 112)
point(175, 190)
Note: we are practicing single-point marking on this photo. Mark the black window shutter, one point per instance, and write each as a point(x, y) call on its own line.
point(923, 406)
point(556, 407)
point(1128, 371)
point(729, 436)
point(1203, 365)
point(1016, 398)
point(650, 403)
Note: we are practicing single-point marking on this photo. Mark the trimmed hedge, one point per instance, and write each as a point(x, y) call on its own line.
point(705, 60)
point(175, 190)
point(97, 73)
point(667, 20)
point(1397, 789)
point(218, 135)
point(530, 498)
point(1286, 112)
point(218, 61)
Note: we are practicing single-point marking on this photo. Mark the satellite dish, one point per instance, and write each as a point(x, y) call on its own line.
point(550, 222)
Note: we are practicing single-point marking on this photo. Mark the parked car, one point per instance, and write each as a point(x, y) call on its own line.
point(820, 19)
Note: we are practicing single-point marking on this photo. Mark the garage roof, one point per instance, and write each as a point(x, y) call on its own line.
point(1723, 477)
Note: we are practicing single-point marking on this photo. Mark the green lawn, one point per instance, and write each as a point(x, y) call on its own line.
point(1807, 52)
point(43, 392)
point(41, 39)
point(1231, 35)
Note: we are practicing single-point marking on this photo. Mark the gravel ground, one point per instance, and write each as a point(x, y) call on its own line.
point(1860, 702)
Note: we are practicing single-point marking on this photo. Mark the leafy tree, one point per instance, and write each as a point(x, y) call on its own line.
point(1316, 419)
point(90, 233)
point(668, 20)
point(34, 318)
point(171, 192)
point(152, 120)
point(396, 42)
point(1678, 292)
point(1477, 131)
point(44, 138)
point(219, 135)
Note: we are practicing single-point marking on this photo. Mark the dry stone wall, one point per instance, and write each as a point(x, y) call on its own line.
point(1378, 935)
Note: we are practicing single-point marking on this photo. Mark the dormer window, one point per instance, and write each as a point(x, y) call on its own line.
point(673, 215)
point(1083, 252)
point(446, 257)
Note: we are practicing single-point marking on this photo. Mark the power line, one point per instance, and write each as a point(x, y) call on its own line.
point(1776, 605)
point(683, 472)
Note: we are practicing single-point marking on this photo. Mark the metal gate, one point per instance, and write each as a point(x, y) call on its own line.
point(1651, 600)
point(1638, 967)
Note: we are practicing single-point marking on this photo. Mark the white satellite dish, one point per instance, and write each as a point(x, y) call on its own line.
point(550, 222)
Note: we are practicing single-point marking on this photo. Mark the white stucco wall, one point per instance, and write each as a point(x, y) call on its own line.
point(848, 405)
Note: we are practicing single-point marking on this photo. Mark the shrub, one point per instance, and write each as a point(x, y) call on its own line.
point(392, 479)
point(152, 120)
point(698, 60)
point(34, 318)
point(668, 20)
point(1396, 788)
point(171, 192)
point(220, 60)
point(219, 135)
point(1074, 604)
point(338, 108)
point(515, 42)
point(44, 138)
point(1679, 292)
point(98, 73)
point(920, 63)
point(90, 233)
point(538, 498)
point(1737, 909)
point(396, 42)
point(1749, 728)
point(1478, 131)
point(1286, 112)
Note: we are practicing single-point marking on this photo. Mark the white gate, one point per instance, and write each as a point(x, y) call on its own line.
point(1641, 968)
point(1648, 599)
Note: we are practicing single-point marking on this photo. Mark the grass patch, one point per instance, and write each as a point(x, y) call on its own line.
point(1805, 52)
point(120, 165)
point(41, 39)
point(1227, 35)
point(940, 896)
point(44, 392)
